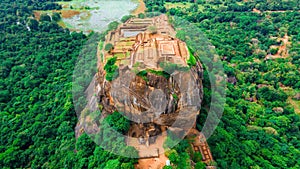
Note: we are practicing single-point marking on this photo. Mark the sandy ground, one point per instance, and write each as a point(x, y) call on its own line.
point(151, 150)
point(140, 9)
point(37, 15)
point(64, 13)
point(282, 52)
point(68, 13)
point(152, 163)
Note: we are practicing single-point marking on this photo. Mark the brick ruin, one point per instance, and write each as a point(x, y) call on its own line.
point(134, 43)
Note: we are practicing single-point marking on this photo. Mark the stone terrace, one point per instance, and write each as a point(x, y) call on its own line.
point(133, 43)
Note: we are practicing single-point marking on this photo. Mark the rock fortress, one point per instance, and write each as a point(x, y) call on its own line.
point(148, 75)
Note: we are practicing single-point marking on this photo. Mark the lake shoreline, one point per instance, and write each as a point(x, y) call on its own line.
point(93, 15)
point(141, 8)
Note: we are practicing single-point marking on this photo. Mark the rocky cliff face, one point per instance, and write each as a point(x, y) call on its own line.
point(153, 99)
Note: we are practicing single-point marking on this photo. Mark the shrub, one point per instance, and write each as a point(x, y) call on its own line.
point(56, 17)
point(192, 60)
point(45, 17)
point(111, 69)
point(108, 47)
point(273, 51)
point(141, 15)
point(126, 18)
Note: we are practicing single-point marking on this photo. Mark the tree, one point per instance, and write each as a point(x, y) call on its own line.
point(126, 18)
point(111, 69)
point(127, 166)
point(33, 24)
point(197, 157)
point(274, 51)
point(56, 17)
point(118, 122)
point(174, 157)
point(85, 145)
point(141, 15)
point(112, 164)
point(172, 11)
point(108, 47)
point(45, 17)
point(194, 8)
point(270, 94)
point(192, 60)
point(200, 165)
point(113, 25)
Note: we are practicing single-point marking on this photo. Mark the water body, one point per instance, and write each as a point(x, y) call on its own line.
point(97, 14)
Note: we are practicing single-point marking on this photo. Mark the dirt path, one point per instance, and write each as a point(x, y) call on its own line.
point(295, 104)
point(140, 9)
point(280, 11)
point(282, 52)
point(256, 10)
point(152, 163)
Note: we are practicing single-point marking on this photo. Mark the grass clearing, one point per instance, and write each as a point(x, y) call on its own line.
point(291, 93)
point(170, 5)
point(295, 104)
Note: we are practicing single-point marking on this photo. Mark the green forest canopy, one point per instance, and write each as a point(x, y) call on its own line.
point(251, 134)
point(38, 118)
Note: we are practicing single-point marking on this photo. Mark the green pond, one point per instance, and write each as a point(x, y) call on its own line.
point(95, 15)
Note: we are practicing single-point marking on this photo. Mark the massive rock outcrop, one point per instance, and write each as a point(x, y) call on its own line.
point(154, 81)
point(155, 85)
